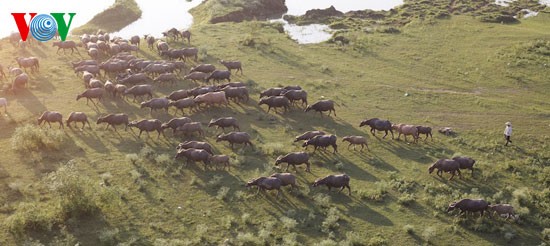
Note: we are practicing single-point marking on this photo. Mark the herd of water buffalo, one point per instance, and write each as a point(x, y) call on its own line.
point(122, 74)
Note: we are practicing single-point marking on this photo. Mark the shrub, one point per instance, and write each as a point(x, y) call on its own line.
point(108, 236)
point(331, 221)
point(408, 229)
point(546, 234)
point(322, 200)
point(429, 233)
point(246, 219)
point(215, 181)
point(222, 193)
point(352, 239)
point(376, 194)
point(521, 196)
point(406, 199)
point(328, 242)
point(148, 153)
point(32, 138)
point(288, 223)
point(32, 216)
point(246, 239)
point(377, 240)
point(132, 158)
point(290, 239)
point(164, 160)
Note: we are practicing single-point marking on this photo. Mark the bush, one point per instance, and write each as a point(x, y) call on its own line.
point(246, 239)
point(408, 229)
point(132, 158)
point(406, 199)
point(108, 236)
point(376, 194)
point(322, 200)
point(288, 223)
point(429, 233)
point(31, 138)
point(331, 221)
point(32, 216)
point(222, 193)
point(377, 240)
point(546, 234)
point(164, 160)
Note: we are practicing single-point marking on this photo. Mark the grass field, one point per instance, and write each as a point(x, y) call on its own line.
point(98, 187)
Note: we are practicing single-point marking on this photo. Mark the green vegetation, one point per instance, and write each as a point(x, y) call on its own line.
point(100, 187)
point(215, 11)
point(114, 18)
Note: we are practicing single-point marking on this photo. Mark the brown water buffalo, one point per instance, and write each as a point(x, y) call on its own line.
point(113, 120)
point(135, 40)
point(148, 126)
point(469, 205)
point(174, 123)
point(194, 76)
point(190, 53)
point(266, 183)
point(308, 135)
point(166, 77)
point(140, 91)
point(237, 93)
point(177, 95)
point(465, 162)
point(133, 79)
point(69, 44)
point(296, 95)
point(230, 65)
point(204, 68)
point(194, 155)
point(406, 130)
point(195, 145)
point(446, 165)
point(183, 103)
point(322, 141)
point(286, 179)
point(212, 98)
point(90, 94)
point(272, 92)
point(186, 34)
point(321, 106)
point(219, 75)
point(191, 127)
point(235, 138)
point(295, 158)
point(224, 122)
point(156, 103)
point(425, 130)
point(356, 140)
point(51, 116)
point(78, 117)
point(221, 160)
point(503, 209)
point(337, 181)
point(275, 102)
point(26, 62)
point(378, 124)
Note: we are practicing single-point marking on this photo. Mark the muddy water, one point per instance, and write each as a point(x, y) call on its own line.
point(85, 11)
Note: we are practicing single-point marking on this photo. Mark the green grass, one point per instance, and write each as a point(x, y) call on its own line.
point(114, 18)
point(458, 72)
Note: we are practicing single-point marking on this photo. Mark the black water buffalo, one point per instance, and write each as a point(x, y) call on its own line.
point(322, 141)
point(337, 181)
point(321, 106)
point(295, 158)
point(378, 124)
point(469, 205)
point(446, 165)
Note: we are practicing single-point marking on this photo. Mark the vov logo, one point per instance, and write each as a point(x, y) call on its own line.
point(43, 27)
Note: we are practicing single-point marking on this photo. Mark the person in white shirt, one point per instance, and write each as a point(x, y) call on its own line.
point(508, 133)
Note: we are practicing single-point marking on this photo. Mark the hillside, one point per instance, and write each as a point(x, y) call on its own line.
point(100, 187)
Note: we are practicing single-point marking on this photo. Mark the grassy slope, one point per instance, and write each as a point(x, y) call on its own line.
point(452, 70)
point(116, 17)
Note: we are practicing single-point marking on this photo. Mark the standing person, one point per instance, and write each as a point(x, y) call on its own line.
point(508, 133)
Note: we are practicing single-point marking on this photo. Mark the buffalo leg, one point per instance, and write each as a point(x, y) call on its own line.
point(452, 175)
point(349, 189)
point(372, 131)
point(350, 145)
point(385, 134)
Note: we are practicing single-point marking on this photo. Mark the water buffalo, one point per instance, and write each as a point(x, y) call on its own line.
point(465, 162)
point(156, 103)
point(140, 90)
point(238, 93)
point(51, 116)
point(235, 138)
point(113, 120)
point(90, 94)
point(191, 127)
point(25, 62)
point(194, 155)
point(308, 135)
point(406, 130)
point(272, 92)
point(221, 160)
point(322, 141)
point(177, 95)
point(266, 183)
point(323, 105)
point(469, 205)
point(337, 181)
point(219, 75)
point(194, 76)
point(286, 179)
point(148, 126)
point(224, 122)
point(174, 123)
point(275, 102)
point(195, 145)
point(378, 124)
point(446, 165)
point(69, 44)
point(503, 209)
point(295, 158)
point(230, 65)
point(183, 103)
point(296, 95)
point(205, 68)
point(356, 140)
point(425, 130)
point(78, 117)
